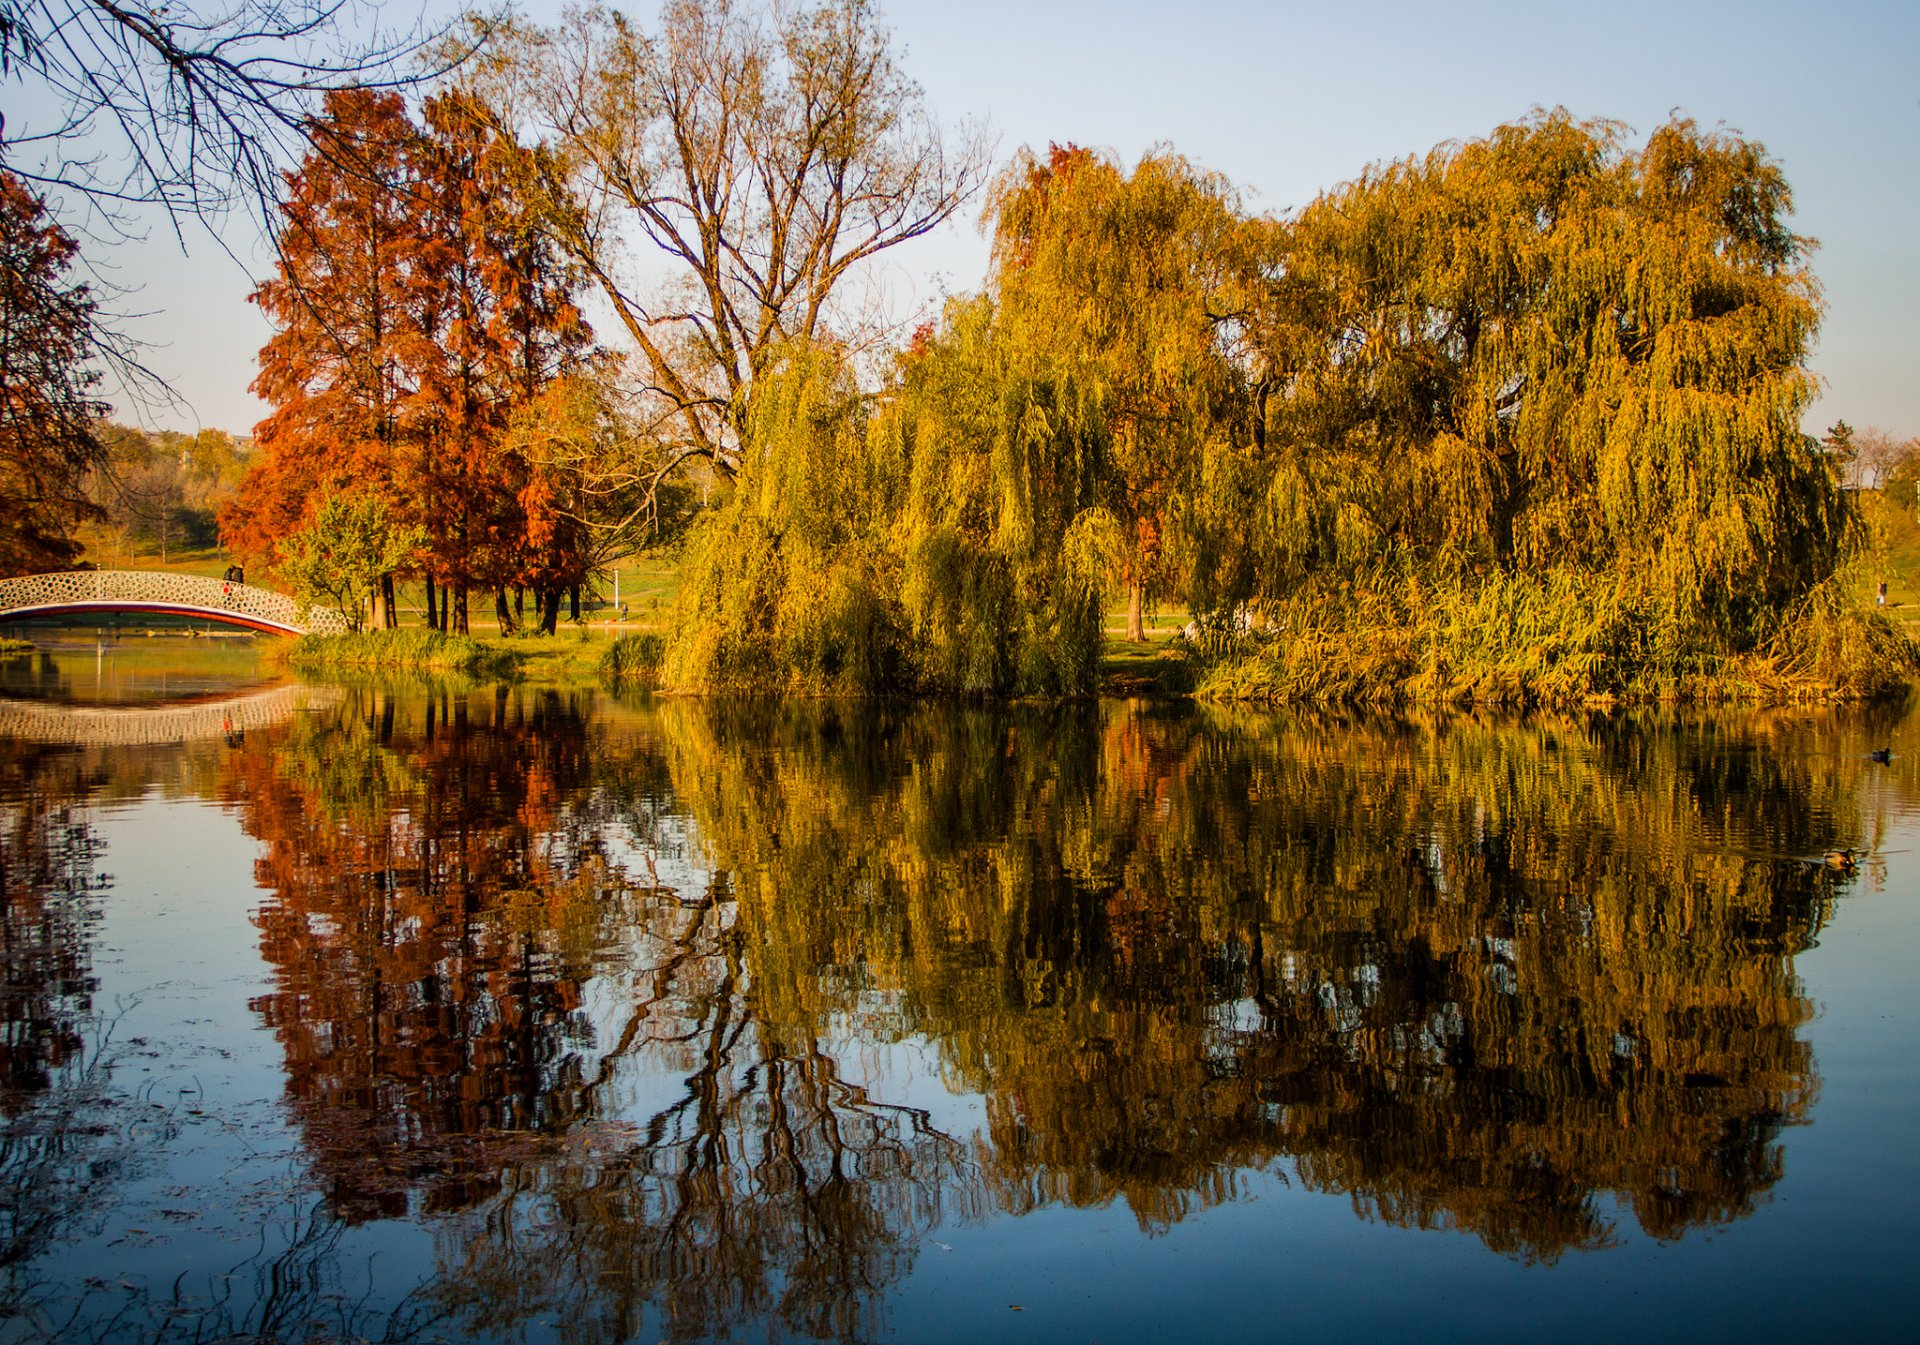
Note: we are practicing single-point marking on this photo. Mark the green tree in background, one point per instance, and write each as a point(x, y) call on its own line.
point(343, 554)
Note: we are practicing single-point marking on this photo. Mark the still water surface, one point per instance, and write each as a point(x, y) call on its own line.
point(473, 1012)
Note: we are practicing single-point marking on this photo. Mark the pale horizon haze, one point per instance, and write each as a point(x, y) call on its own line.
point(1288, 100)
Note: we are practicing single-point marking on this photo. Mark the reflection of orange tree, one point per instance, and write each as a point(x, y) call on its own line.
point(429, 929)
point(1473, 977)
point(439, 903)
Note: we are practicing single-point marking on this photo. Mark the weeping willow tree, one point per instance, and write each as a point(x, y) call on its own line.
point(1131, 288)
point(792, 583)
point(947, 539)
point(1055, 424)
point(1531, 423)
point(1004, 543)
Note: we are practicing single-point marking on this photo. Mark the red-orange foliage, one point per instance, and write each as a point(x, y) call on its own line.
point(48, 412)
point(332, 371)
point(417, 308)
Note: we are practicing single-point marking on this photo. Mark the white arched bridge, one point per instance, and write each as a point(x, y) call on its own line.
point(81, 592)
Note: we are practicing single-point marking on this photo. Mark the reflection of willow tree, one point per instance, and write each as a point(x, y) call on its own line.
point(1472, 977)
point(618, 989)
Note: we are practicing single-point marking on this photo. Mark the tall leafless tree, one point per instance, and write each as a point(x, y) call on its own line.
point(722, 178)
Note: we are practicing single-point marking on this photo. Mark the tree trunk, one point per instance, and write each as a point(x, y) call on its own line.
point(433, 611)
point(573, 596)
point(391, 609)
point(460, 610)
point(1136, 627)
point(549, 603)
point(520, 603)
point(505, 614)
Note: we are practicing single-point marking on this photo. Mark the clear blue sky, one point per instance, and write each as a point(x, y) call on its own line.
point(1290, 99)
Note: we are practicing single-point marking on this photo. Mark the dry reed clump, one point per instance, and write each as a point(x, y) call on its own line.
point(632, 660)
point(1563, 638)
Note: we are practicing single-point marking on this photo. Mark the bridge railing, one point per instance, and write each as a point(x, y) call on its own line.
point(137, 589)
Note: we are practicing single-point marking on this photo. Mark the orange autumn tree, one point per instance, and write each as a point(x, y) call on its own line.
point(49, 403)
point(416, 310)
point(348, 240)
point(506, 326)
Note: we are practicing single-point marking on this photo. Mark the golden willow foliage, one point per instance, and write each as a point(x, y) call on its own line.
point(1516, 421)
point(960, 538)
point(932, 545)
point(1533, 429)
point(789, 583)
point(1474, 976)
point(1127, 292)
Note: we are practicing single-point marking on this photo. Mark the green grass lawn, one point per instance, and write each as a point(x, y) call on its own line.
point(1896, 543)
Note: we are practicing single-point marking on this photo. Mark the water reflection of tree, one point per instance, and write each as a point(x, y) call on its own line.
point(50, 890)
point(446, 878)
point(428, 931)
point(1470, 976)
point(60, 1150)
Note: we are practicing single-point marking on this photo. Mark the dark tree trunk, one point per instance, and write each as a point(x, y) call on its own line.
point(573, 599)
point(433, 611)
point(520, 603)
point(549, 604)
point(500, 609)
point(460, 611)
point(390, 611)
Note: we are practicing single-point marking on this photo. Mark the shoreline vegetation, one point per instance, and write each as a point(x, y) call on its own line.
point(405, 650)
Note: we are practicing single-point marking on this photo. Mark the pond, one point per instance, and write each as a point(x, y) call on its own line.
point(456, 1011)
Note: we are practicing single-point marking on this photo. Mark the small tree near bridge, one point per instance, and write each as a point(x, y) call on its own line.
point(343, 554)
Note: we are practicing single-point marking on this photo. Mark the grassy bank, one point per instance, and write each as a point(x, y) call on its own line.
point(575, 657)
point(15, 646)
point(413, 650)
point(1558, 640)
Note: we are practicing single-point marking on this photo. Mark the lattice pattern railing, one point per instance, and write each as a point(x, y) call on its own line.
point(132, 725)
point(142, 590)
